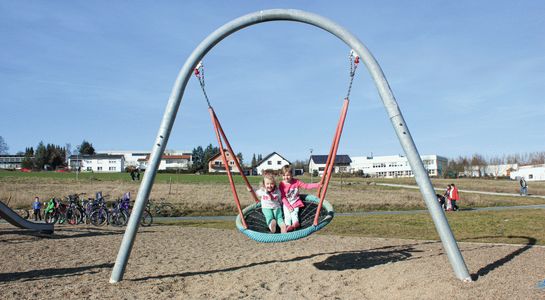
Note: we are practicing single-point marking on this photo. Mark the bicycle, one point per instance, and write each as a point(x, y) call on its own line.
point(162, 209)
point(119, 214)
point(55, 211)
point(147, 218)
point(74, 212)
point(100, 214)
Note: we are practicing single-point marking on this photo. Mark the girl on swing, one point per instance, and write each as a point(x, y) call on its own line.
point(271, 203)
point(289, 188)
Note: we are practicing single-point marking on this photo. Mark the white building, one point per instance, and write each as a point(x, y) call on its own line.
point(491, 170)
point(168, 162)
point(101, 163)
point(396, 165)
point(318, 162)
point(273, 161)
point(11, 162)
point(530, 173)
point(133, 158)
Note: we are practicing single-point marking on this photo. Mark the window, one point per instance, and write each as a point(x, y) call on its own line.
point(112, 161)
point(269, 162)
point(279, 162)
point(232, 163)
point(89, 169)
point(99, 168)
point(217, 163)
point(112, 168)
point(530, 176)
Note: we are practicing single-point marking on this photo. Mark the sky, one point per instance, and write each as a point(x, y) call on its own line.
point(468, 76)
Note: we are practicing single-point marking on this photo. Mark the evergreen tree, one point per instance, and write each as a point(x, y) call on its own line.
point(28, 160)
point(240, 159)
point(197, 156)
point(40, 156)
point(209, 152)
point(254, 161)
point(86, 148)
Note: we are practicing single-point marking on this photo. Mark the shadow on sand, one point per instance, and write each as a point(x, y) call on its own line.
point(500, 262)
point(53, 273)
point(340, 261)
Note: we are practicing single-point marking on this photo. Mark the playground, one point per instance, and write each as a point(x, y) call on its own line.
point(197, 263)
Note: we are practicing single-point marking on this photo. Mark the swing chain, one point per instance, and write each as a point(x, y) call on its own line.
point(354, 60)
point(199, 73)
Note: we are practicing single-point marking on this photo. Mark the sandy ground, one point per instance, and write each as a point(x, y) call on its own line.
point(192, 263)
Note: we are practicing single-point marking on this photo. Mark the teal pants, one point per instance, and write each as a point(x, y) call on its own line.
point(273, 213)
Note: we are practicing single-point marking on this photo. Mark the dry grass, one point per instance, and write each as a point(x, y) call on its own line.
point(216, 198)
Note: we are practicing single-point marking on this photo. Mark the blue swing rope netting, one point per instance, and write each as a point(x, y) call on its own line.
point(259, 231)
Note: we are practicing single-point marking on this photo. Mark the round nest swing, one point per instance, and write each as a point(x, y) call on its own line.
point(259, 231)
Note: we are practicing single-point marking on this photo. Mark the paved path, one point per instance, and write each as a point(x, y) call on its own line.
point(465, 191)
point(363, 213)
point(401, 212)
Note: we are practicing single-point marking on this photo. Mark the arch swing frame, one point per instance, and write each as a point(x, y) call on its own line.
point(390, 104)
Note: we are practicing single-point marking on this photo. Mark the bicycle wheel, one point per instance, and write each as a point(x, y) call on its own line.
point(147, 218)
point(99, 217)
point(73, 216)
point(118, 219)
point(50, 217)
point(166, 210)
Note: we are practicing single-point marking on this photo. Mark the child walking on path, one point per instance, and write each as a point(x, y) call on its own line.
point(37, 206)
point(289, 187)
point(271, 203)
point(454, 196)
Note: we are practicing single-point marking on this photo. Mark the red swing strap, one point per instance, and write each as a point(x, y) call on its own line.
point(220, 134)
point(354, 60)
point(324, 182)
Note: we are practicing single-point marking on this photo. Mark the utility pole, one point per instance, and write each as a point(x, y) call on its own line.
point(309, 165)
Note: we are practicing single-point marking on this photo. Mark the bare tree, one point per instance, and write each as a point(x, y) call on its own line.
point(3, 146)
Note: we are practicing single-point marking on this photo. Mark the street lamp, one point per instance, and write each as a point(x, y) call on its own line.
point(309, 165)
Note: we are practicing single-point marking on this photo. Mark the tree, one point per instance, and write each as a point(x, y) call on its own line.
point(254, 161)
point(240, 159)
point(56, 156)
point(86, 148)
point(3, 146)
point(477, 163)
point(209, 152)
point(40, 157)
point(28, 160)
point(197, 155)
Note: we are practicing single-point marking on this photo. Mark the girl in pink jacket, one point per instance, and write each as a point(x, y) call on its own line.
point(289, 188)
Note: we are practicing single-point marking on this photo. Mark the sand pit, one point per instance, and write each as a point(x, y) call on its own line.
point(192, 263)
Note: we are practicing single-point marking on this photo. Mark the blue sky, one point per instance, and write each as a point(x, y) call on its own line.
point(469, 76)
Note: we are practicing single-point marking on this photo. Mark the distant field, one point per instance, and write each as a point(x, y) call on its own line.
point(211, 195)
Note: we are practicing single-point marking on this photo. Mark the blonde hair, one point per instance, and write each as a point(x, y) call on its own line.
point(268, 176)
point(287, 168)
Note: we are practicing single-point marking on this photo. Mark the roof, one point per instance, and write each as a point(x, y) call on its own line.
point(96, 156)
point(339, 159)
point(267, 157)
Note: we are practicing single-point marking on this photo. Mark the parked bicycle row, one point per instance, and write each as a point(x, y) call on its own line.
point(75, 209)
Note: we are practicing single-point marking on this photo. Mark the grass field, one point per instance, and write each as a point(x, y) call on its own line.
point(509, 227)
point(206, 195)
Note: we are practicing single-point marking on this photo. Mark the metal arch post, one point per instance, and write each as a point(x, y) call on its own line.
point(390, 104)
